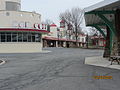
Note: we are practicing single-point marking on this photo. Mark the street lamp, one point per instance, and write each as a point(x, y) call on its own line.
point(58, 35)
point(87, 40)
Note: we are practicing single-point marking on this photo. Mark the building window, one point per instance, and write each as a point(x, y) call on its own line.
point(82, 39)
point(33, 37)
point(25, 37)
point(9, 38)
point(3, 37)
point(7, 14)
point(29, 37)
point(14, 37)
point(37, 38)
point(12, 6)
point(19, 37)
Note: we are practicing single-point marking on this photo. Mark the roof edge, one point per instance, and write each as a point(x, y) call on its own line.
point(100, 5)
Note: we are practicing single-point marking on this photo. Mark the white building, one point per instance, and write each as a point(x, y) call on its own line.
point(53, 31)
point(67, 33)
point(20, 31)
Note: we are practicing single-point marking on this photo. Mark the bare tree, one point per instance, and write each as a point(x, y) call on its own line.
point(93, 31)
point(48, 22)
point(75, 18)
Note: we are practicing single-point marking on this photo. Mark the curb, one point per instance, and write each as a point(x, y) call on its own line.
point(45, 51)
point(97, 61)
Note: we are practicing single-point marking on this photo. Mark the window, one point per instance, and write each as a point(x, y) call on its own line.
point(14, 37)
point(29, 38)
point(19, 37)
point(3, 37)
point(37, 37)
point(24, 37)
point(12, 6)
point(9, 38)
point(82, 39)
point(33, 37)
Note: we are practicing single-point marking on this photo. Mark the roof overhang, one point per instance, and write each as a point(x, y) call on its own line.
point(106, 7)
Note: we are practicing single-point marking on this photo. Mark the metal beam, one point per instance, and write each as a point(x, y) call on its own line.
point(111, 27)
point(99, 29)
point(98, 24)
point(108, 23)
point(101, 12)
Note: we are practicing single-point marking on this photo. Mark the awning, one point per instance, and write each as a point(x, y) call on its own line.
point(59, 39)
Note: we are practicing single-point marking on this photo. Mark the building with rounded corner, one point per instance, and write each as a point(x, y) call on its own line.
point(20, 31)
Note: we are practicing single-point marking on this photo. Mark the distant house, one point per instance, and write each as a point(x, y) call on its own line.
point(98, 41)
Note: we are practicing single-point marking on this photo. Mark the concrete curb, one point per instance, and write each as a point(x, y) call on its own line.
point(101, 62)
point(3, 62)
point(45, 51)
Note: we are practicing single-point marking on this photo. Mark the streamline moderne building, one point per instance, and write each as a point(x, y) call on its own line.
point(20, 31)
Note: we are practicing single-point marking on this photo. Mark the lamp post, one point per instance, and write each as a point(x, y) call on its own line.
point(87, 40)
point(58, 35)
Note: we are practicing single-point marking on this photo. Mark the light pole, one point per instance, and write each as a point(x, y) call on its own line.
point(58, 35)
point(87, 41)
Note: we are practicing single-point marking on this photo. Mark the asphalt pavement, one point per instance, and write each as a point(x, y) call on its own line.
point(60, 69)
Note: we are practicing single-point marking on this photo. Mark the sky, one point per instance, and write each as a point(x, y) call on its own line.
point(50, 9)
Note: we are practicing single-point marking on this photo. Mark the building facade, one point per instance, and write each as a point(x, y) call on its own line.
point(63, 36)
point(20, 31)
point(98, 41)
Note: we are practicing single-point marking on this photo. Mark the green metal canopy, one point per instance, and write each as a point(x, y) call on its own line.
point(102, 12)
point(101, 15)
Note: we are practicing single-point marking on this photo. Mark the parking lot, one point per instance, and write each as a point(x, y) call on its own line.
point(60, 69)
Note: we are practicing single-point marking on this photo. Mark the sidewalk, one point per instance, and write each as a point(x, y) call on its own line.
point(102, 62)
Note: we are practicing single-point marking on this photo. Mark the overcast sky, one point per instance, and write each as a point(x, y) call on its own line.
point(50, 9)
